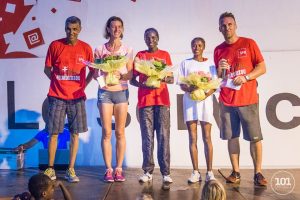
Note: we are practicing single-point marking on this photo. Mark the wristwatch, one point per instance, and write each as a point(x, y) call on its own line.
point(247, 77)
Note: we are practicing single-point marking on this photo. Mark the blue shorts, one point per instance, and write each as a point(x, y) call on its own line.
point(113, 97)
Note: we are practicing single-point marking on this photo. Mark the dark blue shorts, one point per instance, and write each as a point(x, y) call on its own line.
point(113, 97)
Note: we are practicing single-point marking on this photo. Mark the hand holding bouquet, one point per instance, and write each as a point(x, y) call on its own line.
point(201, 82)
point(110, 64)
point(156, 70)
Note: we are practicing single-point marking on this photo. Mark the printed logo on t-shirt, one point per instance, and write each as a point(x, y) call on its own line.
point(242, 53)
point(67, 75)
point(79, 59)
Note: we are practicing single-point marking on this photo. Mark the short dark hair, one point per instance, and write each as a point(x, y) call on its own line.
point(37, 184)
point(73, 20)
point(198, 39)
point(226, 14)
point(151, 30)
point(111, 19)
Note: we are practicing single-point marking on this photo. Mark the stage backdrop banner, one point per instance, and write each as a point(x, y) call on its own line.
point(27, 28)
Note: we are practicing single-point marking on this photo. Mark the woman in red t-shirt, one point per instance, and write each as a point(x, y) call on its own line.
point(154, 111)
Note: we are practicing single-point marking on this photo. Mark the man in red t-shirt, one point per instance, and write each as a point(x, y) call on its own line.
point(154, 111)
point(67, 74)
point(239, 63)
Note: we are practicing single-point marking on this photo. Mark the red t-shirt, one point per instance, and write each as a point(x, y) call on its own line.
point(158, 96)
point(68, 73)
point(243, 56)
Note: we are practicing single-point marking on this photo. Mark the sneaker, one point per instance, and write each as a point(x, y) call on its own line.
point(145, 177)
point(71, 176)
point(119, 177)
point(50, 173)
point(167, 179)
point(259, 180)
point(234, 177)
point(209, 176)
point(195, 177)
point(108, 176)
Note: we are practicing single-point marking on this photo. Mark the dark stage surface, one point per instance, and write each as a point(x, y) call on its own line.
point(91, 185)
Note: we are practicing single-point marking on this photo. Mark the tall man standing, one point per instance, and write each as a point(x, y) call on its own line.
point(243, 62)
point(66, 95)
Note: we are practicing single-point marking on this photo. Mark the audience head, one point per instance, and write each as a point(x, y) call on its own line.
point(213, 190)
point(41, 187)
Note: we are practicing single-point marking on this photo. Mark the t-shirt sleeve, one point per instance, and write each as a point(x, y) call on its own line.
point(40, 135)
point(168, 59)
point(90, 57)
point(180, 73)
point(137, 56)
point(255, 53)
point(129, 53)
point(49, 56)
point(98, 52)
point(216, 57)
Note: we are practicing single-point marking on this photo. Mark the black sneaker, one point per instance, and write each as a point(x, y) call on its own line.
point(234, 177)
point(259, 180)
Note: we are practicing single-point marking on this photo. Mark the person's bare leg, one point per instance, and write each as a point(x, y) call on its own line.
point(192, 129)
point(256, 154)
point(120, 112)
point(52, 146)
point(73, 149)
point(106, 112)
point(208, 147)
point(234, 153)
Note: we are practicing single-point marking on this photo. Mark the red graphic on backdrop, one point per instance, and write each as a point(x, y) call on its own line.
point(33, 38)
point(21, 36)
point(12, 14)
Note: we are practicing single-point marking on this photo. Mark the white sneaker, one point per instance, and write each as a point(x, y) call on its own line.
point(195, 177)
point(145, 177)
point(210, 176)
point(167, 179)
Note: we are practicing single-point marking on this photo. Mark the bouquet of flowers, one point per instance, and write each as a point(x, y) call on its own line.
point(202, 82)
point(109, 64)
point(155, 69)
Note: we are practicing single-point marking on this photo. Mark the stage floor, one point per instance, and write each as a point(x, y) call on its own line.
point(91, 185)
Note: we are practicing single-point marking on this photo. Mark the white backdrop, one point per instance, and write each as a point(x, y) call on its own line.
point(273, 24)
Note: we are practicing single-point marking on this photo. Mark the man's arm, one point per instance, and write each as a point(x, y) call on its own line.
point(258, 70)
point(47, 71)
point(27, 145)
point(89, 77)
